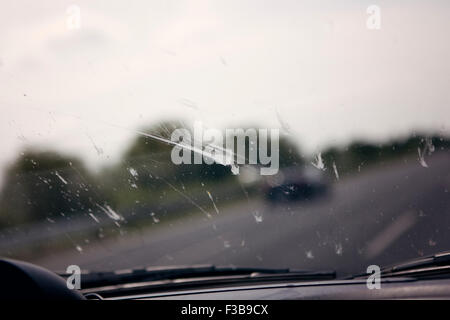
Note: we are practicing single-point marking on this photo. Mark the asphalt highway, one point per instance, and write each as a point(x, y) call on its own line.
point(380, 215)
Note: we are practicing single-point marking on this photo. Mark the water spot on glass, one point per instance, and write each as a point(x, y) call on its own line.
point(309, 254)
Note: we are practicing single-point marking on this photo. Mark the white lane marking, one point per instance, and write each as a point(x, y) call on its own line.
point(387, 236)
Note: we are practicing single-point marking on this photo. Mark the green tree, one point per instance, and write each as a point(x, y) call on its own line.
point(41, 185)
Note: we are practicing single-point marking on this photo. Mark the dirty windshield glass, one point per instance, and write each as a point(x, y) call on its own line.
point(291, 134)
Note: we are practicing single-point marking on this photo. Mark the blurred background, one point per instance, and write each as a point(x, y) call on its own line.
point(363, 115)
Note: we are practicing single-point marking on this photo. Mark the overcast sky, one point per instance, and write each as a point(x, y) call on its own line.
point(226, 63)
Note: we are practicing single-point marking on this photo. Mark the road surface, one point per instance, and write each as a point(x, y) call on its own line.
point(381, 215)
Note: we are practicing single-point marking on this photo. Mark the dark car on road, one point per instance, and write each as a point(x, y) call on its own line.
point(296, 183)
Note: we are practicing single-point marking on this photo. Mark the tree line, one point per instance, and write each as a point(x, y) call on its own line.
point(41, 184)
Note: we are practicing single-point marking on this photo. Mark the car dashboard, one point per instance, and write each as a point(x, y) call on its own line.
point(403, 288)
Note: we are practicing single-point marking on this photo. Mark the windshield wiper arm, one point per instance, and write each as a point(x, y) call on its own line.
point(433, 266)
point(438, 259)
point(99, 279)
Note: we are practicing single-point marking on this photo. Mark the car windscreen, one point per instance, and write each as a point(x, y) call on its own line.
point(292, 134)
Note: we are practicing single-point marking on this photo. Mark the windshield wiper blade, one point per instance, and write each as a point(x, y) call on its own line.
point(100, 279)
point(433, 266)
point(439, 259)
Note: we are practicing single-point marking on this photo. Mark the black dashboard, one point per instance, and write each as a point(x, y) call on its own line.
point(404, 288)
